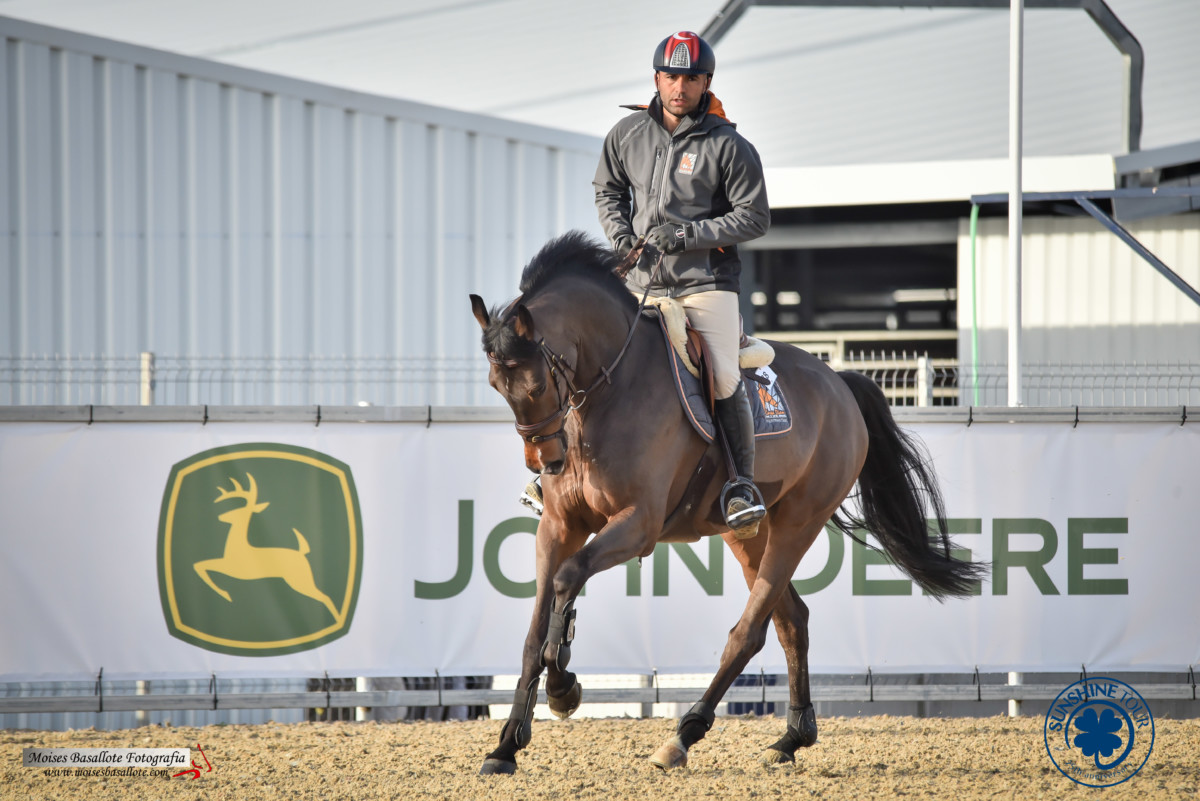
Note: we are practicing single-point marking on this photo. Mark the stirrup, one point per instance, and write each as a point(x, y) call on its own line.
point(742, 515)
point(532, 497)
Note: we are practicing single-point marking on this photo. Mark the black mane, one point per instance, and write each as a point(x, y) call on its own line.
point(572, 255)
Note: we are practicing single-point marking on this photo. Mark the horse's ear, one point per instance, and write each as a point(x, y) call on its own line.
point(524, 323)
point(479, 309)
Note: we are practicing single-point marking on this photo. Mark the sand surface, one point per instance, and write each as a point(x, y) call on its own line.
point(860, 758)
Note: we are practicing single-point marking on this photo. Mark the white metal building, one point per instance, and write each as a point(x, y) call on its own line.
point(161, 203)
point(240, 223)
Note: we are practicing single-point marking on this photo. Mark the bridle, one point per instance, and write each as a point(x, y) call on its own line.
point(574, 399)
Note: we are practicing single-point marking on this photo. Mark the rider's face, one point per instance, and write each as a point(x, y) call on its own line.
point(680, 94)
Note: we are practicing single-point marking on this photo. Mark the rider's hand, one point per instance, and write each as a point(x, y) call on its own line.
point(623, 246)
point(668, 238)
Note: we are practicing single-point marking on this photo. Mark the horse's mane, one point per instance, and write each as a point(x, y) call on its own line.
point(572, 255)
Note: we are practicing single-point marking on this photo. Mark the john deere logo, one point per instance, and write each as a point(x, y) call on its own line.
point(259, 549)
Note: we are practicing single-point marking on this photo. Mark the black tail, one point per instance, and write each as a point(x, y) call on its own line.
point(895, 487)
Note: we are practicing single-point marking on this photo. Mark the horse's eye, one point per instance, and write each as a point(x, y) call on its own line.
point(537, 391)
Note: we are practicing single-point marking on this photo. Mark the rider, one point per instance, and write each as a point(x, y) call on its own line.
point(678, 173)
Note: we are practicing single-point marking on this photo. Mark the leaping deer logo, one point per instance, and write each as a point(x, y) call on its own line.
point(242, 560)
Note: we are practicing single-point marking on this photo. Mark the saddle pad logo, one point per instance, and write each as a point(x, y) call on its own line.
point(259, 549)
point(769, 397)
point(687, 163)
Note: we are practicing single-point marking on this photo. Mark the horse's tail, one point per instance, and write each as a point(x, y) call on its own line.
point(894, 488)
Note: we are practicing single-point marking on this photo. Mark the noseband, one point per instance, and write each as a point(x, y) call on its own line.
point(574, 398)
point(569, 401)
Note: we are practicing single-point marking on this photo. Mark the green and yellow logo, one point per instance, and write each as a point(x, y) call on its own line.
point(259, 549)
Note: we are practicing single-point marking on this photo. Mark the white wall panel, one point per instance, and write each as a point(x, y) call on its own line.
point(1087, 297)
point(160, 203)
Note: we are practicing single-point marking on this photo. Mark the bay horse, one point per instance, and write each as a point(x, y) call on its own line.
point(589, 384)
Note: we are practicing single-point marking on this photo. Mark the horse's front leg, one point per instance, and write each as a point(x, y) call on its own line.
point(554, 544)
point(624, 537)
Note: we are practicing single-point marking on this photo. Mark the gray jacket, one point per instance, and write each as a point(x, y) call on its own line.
point(706, 176)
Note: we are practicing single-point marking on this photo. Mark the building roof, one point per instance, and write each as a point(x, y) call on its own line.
point(811, 87)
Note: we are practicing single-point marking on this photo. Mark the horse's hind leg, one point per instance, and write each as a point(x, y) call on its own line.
point(791, 624)
point(768, 563)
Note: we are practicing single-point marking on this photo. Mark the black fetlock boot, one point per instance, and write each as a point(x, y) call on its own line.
point(743, 503)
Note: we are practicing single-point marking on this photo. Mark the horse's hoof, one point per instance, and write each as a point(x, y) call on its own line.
point(773, 757)
point(565, 705)
point(671, 754)
point(497, 767)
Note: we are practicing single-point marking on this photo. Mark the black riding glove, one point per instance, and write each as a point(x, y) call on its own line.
point(623, 246)
point(667, 238)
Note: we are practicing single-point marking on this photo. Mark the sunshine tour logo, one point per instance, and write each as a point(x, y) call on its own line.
point(1099, 732)
point(260, 549)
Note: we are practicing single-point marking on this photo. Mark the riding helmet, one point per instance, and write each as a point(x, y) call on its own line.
point(685, 53)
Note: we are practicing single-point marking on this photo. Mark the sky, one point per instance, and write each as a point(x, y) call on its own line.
point(809, 86)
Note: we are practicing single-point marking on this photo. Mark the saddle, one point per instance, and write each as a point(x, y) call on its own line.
point(692, 371)
point(687, 342)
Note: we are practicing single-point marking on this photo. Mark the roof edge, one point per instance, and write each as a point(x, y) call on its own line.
point(932, 181)
point(271, 83)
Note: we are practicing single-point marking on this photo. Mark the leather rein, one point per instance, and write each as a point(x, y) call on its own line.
point(574, 399)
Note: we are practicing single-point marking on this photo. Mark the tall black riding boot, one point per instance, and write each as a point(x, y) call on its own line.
point(744, 508)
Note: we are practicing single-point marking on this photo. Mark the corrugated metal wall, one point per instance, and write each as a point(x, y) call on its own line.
point(160, 203)
point(1087, 297)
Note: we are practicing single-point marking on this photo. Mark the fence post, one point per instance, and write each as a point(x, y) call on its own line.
point(1014, 706)
point(361, 713)
point(142, 716)
point(146, 379)
point(924, 381)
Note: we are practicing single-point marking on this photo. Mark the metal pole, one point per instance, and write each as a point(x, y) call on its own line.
point(146, 379)
point(924, 381)
point(142, 716)
point(1016, 32)
point(361, 713)
point(1014, 706)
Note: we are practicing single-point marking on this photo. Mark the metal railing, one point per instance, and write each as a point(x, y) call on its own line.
point(907, 379)
point(223, 695)
point(1085, 384)
point(153, 379)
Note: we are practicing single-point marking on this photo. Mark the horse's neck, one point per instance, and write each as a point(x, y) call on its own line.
point(600, 324)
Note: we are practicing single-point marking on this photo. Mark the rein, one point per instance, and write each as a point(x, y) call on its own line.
point(574, 399)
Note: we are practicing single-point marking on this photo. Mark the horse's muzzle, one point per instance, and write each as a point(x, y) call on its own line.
point(548, 458)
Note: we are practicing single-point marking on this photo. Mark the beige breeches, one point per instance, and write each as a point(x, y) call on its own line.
point(716, 316)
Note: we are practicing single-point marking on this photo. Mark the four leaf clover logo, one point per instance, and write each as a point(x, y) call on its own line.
point(1099, 733)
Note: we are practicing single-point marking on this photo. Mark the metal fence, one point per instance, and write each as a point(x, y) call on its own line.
point(1077, 384)
point(150, 379)
point(107, 704)
point(908, 379)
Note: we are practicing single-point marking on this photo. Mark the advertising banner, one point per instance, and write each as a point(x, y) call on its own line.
point(361, 549)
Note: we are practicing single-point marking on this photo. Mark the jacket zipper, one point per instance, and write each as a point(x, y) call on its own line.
point(662, 190)
point(662, 193)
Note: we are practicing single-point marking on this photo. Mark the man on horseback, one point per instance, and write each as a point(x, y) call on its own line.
point(677, 175)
